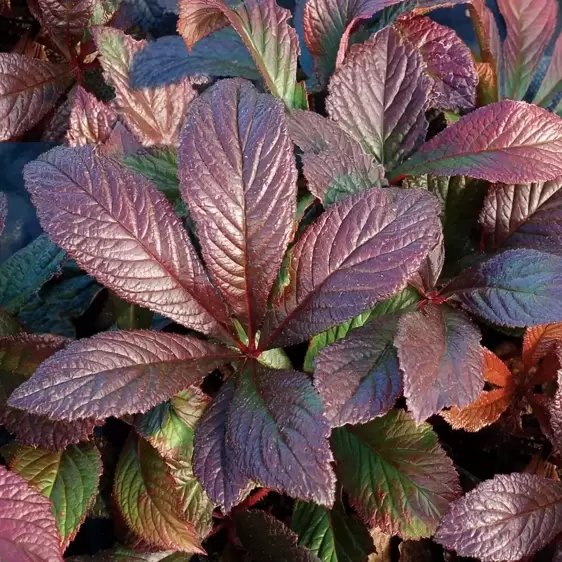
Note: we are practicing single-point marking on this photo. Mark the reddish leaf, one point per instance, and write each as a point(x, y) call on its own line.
point(365, 247)
point(111, 220)
point(29, 88)
point(487, 91)
point(507, 518)
point(27, 526)
point(91, 121)
point(539, 341)
point(509, 141)
point(379, 96)
point(441, 358)
point(554, 412)
point(238, 176)
point(487, 34)
point(3, 210)
point(551, 84)
point(117, 373)
point(496, 371)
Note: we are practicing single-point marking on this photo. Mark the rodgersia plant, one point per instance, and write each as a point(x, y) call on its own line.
point(388, 232)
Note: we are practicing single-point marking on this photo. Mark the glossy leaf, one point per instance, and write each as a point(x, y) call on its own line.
point(241, 195)
point(117, 373)
point(516, 288)
point(68, 478)
point(539, 342)
point(103, 226)
point(358, 378)
point(29, 89)
point(396, 474)
point(551, 84)
point(279, 435)
point(366, 247)
point(27, 526)
point(65, 20)
point(530, 25)
point(526, 149)
point(384, 67)
point(507, 518)
point(441, 358)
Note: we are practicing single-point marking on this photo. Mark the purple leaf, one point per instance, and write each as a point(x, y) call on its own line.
point(530, 25)
point(448, 62)
point(117, 373)
point(238, 177)
point(213, 463)
point(358, 377)
point(27, 526)
point(517, 288)
point(427, 276)
point(507, 518)
point(551, 84)
point(441, 358)
point(29, 88)
point(335, 165)
point(508, 141)
point(360, 251)
point(487, 33)
point(379, 97)
point(112, 221)
point(279, 435)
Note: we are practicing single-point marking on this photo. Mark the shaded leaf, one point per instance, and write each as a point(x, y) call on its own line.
point(539, 341)
point(3, 210)
point(65, 20)
point(9, 325)
point(125, 555)
point(487, 34)
point(551, 84)
point(151, 15)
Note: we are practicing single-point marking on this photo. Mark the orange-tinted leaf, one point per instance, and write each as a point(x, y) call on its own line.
point(538, 341)
point(496, 371)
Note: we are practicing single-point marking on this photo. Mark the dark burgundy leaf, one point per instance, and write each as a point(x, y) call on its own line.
point(555, 410)
point(430, 270)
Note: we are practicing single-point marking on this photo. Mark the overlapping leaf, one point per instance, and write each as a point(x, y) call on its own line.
point(539, 341)
point(551, 84)
point(365, 247)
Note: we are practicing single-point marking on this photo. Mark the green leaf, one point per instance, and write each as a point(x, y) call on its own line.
point(130, 316)
point(396, 474)
point(275, 359)
point(68, 478)
point(8, 324)
point(402, 301)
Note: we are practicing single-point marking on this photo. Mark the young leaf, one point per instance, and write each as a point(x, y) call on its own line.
point(530, 25)
point(441, 358)
point(154, 115)
point(396, 474)
point(551, 84)
point(487, 34)
point(366, 246)
point(516, 288)
point(27, 526)
point(146, 496)
point(539, 342)
point(358, 378)
point(279, 435)
point(117, 373)
point(509, 141)
point(29, 89)
point(68, 478)
point(242, 195)
point(381, 69)
point(448, 62)
point(507, 518)
point(103, 226)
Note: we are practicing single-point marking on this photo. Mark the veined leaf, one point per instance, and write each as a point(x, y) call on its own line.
point(539, 342)
point(487, 33)
point(507, 518)
point(441, 358)
point(509, 141)
point(124, 555)
point(104, 11)
point(366, 247)
point(27, 526)
point(151, 15)
point(396, 474)
point(103, 226)
point(279, 435)
point(29, 89)
point(117, 373)
point(381, 69)
point(530, 25)
point(68, 478)
point(238, 176)
point(551, 84)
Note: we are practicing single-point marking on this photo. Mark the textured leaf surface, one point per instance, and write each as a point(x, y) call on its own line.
point(396, 474)
point(3, 210)
point(441, 358)
point(539, 341)
point(124, 555)
point(104, 227)
point(487, 34)
point(68, 478)
point(508, 141)
point(516, 288)
point(65, 20)
point(279, 435)
point(116, 373)
point(29, 89)
point(358, 378)
point(168, 60)
point(506, 518)
point(364, 247)
point(381, 69)
point(551, 84)
point(238, 176)
point(27, 526)
point(146, 496)
point(530, 25)
point(9, 325)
